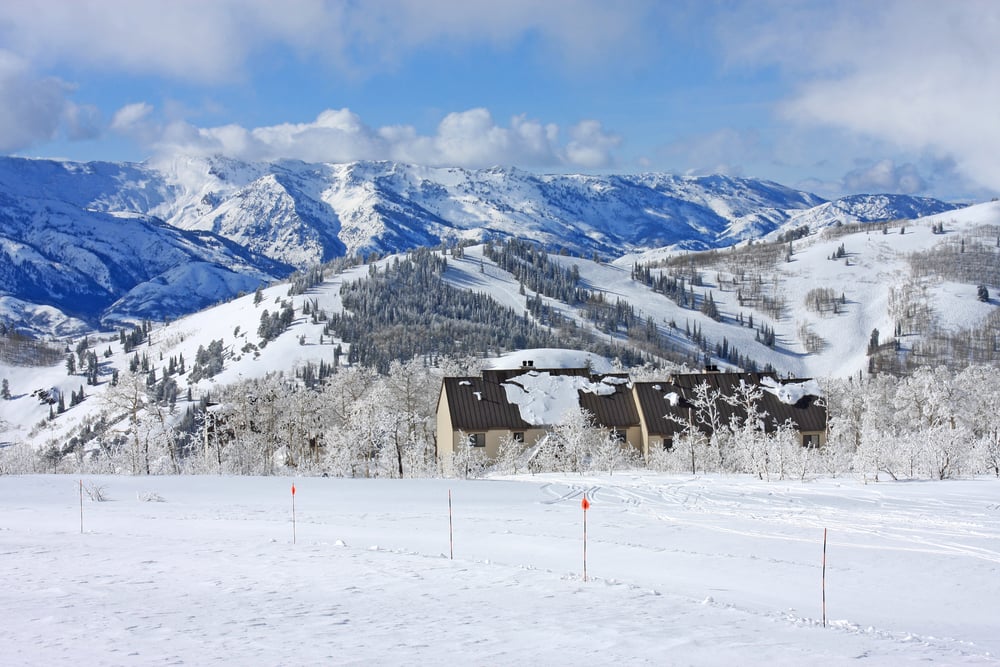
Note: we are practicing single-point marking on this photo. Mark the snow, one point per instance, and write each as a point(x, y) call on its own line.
point(681, 570)
point(791, 393)
point(552, 358)
point(544, 399)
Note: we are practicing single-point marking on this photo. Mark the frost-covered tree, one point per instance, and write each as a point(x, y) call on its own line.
point(609, 453)
point(706, 414)
point(749, 442)
point(411, 395)
point(574, 440)
point(511, 456)
point(468, 461)
point(125, 404)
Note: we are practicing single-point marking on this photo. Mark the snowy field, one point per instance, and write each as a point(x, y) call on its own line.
point(682, 571)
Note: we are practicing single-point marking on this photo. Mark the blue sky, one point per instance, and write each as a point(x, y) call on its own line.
point(832, 97)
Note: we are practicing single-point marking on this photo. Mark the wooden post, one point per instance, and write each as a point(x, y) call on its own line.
point(824, 577)
point(451, 533)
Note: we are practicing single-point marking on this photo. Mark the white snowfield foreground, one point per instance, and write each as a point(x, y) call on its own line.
point(681, 571)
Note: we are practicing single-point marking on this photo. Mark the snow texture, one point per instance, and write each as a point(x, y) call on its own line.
point(681, 570)
point(552, 358)
point(544, 399)
point(791, 393)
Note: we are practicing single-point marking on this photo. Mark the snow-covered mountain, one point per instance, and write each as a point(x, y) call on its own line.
point(64, 247)
point(110, 241)
point(865, 209)
point(829, 308)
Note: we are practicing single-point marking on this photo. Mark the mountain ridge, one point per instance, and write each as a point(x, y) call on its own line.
point(82, 237)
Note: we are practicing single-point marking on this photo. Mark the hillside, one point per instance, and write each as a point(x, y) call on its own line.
point(803, 314)
point(90, 245)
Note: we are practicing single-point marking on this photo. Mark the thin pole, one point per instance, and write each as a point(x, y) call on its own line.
point(81, 507)
point(585, 545)
point(451, 533)
point(824, 577)
point(293, 513)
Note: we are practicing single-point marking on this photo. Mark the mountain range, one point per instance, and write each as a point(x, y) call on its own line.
point(89, 245)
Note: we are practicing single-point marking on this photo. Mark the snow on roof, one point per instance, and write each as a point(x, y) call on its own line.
point(792, 392)
point(552, 358)
point(544, 399)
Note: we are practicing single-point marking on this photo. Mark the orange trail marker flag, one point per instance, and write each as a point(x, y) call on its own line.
point(585, 504)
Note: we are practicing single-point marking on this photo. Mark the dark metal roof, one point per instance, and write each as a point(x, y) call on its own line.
point(807, 414)
point(480, 404)
point(615, 410)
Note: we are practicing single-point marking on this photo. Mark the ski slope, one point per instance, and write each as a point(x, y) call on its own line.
point(681, 570)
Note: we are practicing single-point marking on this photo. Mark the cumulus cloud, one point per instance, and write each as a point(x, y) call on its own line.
point(917, 73)
point(590, 146)
point(469, 138)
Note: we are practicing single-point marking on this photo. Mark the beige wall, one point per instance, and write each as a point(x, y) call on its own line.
point(445, 445)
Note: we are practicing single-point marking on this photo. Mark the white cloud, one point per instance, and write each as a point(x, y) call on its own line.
point(885, 176)
point(210, 42)
point(724, 151)
point(590, 145)
point(920, 74)
point(82, 122)
point(186, 39)
point(33, 109)
point(130, 116)
point(466, 139)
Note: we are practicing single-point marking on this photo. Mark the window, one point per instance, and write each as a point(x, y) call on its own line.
point(810, 440)
point(618, 436)
point(519, 437)
point(477, 440)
